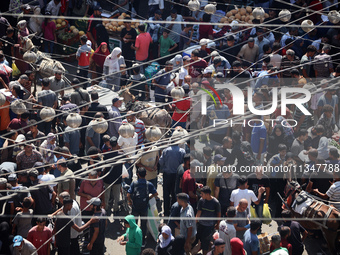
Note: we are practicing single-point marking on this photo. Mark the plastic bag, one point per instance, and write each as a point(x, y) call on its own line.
point(16, 72)
point(266, 214)
point(252, 212)
point(125, 173)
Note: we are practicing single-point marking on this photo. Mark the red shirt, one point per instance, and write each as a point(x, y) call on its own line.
point(87, 188)
point(143, 41)
point(37, 238)
point(17, 124)
point(196, 68)
point(205, 31)
point(183, 105)
point(189, 184)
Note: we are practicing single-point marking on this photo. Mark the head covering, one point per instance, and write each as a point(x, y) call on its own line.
point(165, 242)
point(178, 245)
point(20, 138)
point(89, 43)
point(94, 201)
point(17, 241)
point(50, 137)
point(177, 58)
point(236, 246)
point(132, 221)
point(113, 61)
point(99, 56)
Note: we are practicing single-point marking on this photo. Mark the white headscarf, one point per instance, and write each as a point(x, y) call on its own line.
point(177, 58)
point(112, 61)
point(165, 242)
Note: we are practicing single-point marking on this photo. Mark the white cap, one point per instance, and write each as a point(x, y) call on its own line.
point(204, 41)
point(234, 25)
point(89, 43)
point(207, 70)
point(20, 138)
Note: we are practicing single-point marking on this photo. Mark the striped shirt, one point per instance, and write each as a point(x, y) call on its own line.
point(139, 129)
point(334, 194)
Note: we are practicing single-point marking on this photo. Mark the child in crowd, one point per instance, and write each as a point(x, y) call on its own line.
point(106, 146)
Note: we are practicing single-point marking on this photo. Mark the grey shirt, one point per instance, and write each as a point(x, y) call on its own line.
point(72, 136)
point(297, 147)
point(187, 221)
point(242, 222)
point(47, 98)
point(115, 121)
point(27, 249)
point(78, 95)
point(23, 222)
point(94, 136)
point(56, 85)
point(176, 28)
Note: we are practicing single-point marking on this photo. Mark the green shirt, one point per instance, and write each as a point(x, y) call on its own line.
point(165, 45)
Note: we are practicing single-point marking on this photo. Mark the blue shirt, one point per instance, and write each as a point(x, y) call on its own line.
point(163, 80)
point(259, 132)
point(171, 158)
point(251, 242)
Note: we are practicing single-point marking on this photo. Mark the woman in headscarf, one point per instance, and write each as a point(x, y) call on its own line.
point(47, 148)
point(98, 58)
point(277, 137)
point(165, 241)
point(177, 63)
point(112, 68)
point(178, 246)
point(237, 247)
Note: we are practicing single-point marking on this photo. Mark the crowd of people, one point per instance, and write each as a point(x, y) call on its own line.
point(58, 180)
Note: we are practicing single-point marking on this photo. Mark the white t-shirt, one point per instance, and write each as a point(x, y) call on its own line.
point(226, 231)
point(53, 8)
point(334, 194)
point(239, 194)
point(128, 145)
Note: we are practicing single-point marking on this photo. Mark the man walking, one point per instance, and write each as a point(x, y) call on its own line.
point(169, 162)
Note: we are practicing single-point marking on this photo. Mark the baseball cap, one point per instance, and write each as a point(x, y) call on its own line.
point(97, 8)
point(94, 201)
point(195, 163)
point(20, 138)
point(17, 241)
point(117, 99)
point(234, 25)
point(203, 41)
point(207, 70)
point(214, 53)
point(186, 58)
point(12, 177)
point(219, 157)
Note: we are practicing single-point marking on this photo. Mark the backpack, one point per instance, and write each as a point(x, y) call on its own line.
point(140, 196)
point(247, 152)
